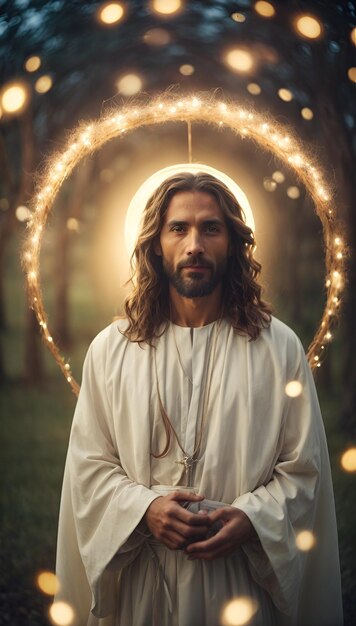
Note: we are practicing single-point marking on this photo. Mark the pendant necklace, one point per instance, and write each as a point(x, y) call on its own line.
point(188, 460)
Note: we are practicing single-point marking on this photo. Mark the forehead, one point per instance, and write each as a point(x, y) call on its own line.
point(193, 204)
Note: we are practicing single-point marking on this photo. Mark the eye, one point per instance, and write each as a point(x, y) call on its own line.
point(212, 228)
point(177, 228)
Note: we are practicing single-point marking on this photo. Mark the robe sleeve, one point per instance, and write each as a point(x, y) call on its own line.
point(304, 585)
point(100, 507)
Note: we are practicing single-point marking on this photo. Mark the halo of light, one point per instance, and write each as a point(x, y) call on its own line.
point(110, 13)
point(240, 60)
point(348, 460)
point(238, 611)
point(48, 583)
point(308, 26)
point(61, 614)
point(142, 195)
point(43, 84)
point(293, 389)
point(265, 9)
point(129, 85)
point(32, 64)
point(264, 131)
point(307, 114)
point(14, 97)
point(166, 7)
point(186, 69)
point(254, 89)
point(305, 540)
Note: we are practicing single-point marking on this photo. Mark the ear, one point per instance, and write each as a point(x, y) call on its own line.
point(157, 247)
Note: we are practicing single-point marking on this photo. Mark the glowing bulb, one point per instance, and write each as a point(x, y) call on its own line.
point(293, 389)
point(14, 97)
point(166, 7)
point(61, 613)
point(33, 63)
point(240, 60)
point(328, 335)
point(348, 460)
point(308, 26)
point(285, 95)
point(110, 13)
point(307, 114)
point(186, 69)
point(238, 17)
point(238, 611)
point(305, 540)
point(337, 241)
point(265, 9)
point(43, 84)
point(254, 89)
point(48, 583)
point(351, 72)
point(129, 85)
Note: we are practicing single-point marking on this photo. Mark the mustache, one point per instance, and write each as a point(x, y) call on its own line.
point(196, 260)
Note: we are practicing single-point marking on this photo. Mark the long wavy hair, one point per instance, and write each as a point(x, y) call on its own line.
point(147, 307)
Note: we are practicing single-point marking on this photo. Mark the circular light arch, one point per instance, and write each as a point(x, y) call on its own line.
point(262, 129)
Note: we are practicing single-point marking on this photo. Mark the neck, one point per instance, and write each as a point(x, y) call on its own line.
point(195, 312)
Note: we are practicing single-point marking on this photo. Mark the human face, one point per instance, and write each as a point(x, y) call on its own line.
point(194, 244)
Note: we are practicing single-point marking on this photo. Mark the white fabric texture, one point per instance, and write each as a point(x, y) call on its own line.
point(262, 452)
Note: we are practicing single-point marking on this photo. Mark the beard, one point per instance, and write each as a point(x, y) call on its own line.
point(195, 284)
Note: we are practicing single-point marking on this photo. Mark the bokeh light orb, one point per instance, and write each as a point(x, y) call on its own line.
point(285, 95)
point(348, 460)
point(308, 26)
point(43, 84)
point(129, 85)
point(265, 9)
point(166, 7)
point(110, 13)
point(14, 97)
point(278, 177)
point(351, 72)
point(187, 69)
point(254, 89)
point(293, 389)
point(32, 64)
point(269, 184)
point(353, 36)
point(157, 37)
point(240, 60)
point(293, 192)
point(305, 540)
point(142, 195)
point(48, 583)
point(238, 17)
point(61, 614)
point(306, 113)
point(239, 611)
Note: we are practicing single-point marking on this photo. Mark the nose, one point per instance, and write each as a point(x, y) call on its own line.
point(195, 243)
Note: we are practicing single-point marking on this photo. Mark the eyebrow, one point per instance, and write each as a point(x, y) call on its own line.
point(214, 220)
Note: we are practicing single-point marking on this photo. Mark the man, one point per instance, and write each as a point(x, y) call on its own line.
point(190, 473)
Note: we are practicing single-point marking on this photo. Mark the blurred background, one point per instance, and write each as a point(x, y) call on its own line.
point(62, 62)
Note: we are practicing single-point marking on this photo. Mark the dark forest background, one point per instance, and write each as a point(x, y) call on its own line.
point(83, 263)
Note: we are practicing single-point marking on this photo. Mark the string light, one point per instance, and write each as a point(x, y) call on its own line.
point(261, 129)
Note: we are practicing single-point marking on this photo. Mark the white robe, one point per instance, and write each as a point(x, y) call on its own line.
point(262, 452)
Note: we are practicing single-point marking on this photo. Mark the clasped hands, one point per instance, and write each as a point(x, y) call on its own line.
point(179, 529)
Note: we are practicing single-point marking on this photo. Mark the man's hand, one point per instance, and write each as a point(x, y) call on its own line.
point(172, 524)
point(235, 530)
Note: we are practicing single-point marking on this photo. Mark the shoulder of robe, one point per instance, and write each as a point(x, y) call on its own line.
point(284, 339)
point(109, 338)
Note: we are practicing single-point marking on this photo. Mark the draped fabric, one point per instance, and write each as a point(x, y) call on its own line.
point(261, 451)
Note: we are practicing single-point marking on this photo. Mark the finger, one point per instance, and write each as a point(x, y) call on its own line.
point(220, 514)
point(186, 496)
point(213, 543)
point(193, 519)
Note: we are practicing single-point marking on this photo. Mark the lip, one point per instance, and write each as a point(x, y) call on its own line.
point(196, 268)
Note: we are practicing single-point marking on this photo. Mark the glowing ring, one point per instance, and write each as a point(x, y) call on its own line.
point(168, 108)
point(144, 192)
